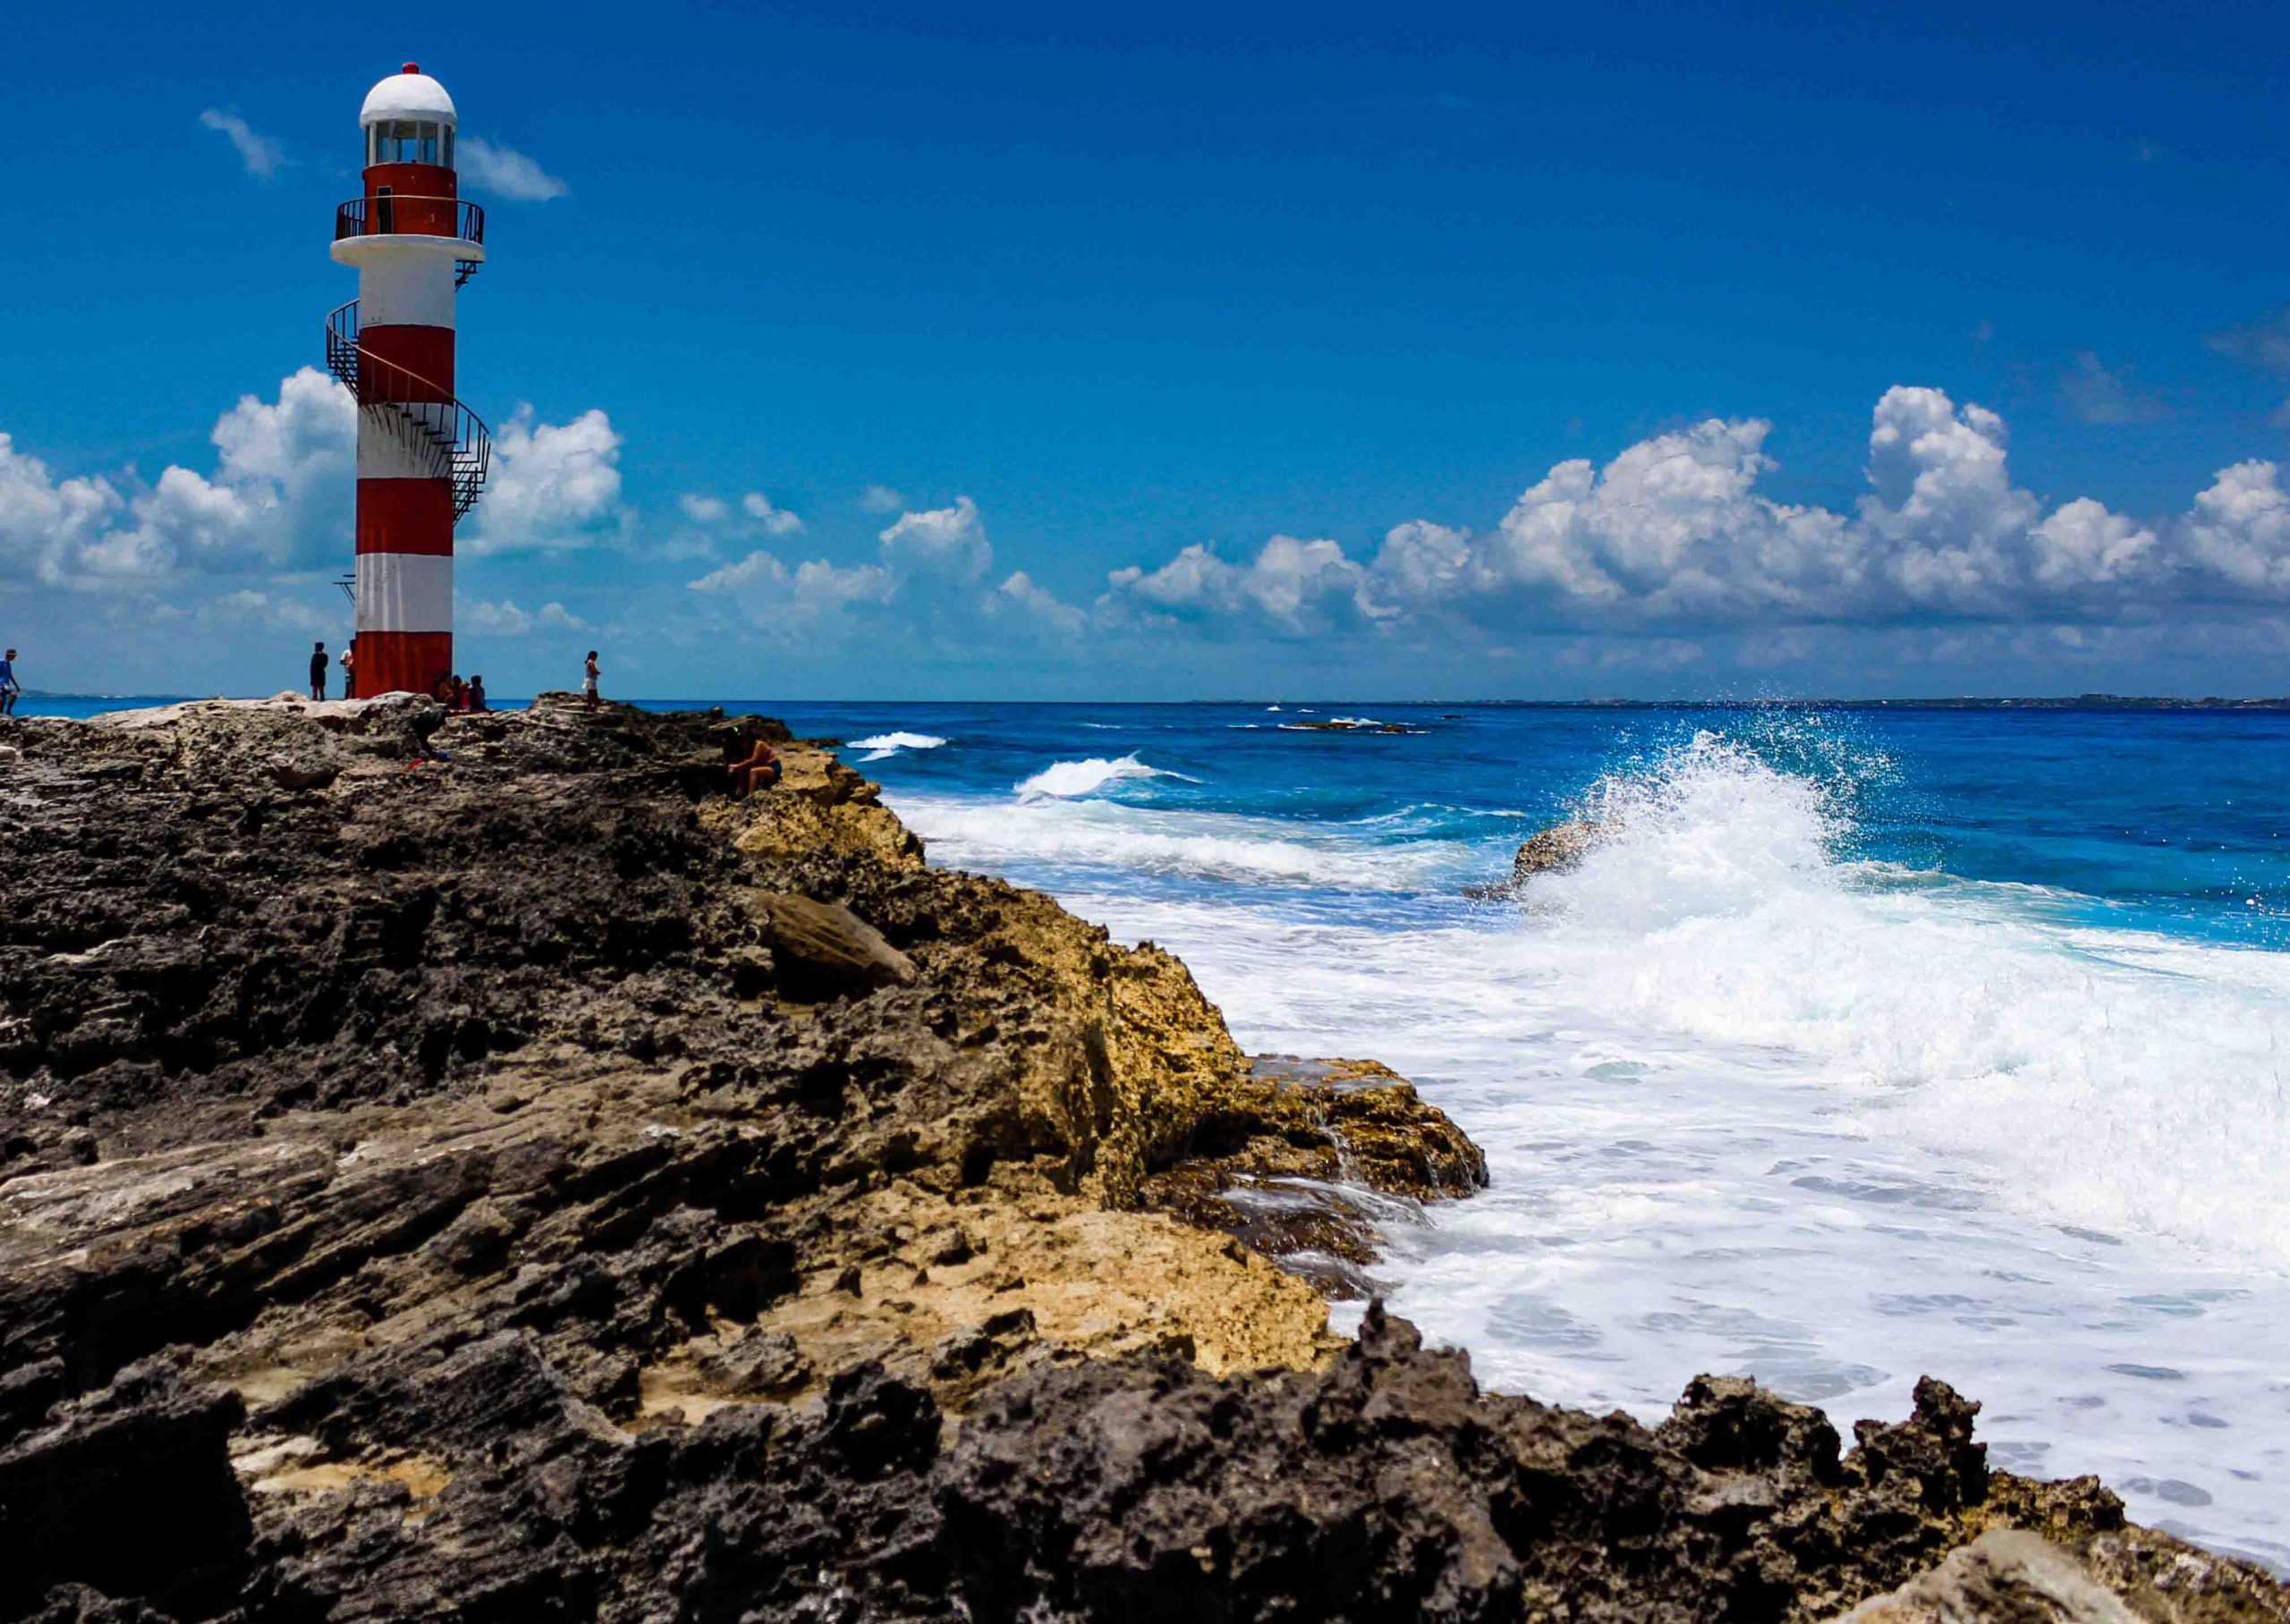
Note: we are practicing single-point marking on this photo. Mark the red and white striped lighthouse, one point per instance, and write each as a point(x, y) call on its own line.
point(422, 456)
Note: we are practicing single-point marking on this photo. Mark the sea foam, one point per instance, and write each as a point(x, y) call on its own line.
point(2115, 1078)
point(884, 746)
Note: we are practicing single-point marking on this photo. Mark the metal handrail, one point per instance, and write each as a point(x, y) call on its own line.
point(449, 430)
point(351, 219)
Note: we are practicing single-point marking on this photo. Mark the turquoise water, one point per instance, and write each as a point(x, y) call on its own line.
point(1868, 1044)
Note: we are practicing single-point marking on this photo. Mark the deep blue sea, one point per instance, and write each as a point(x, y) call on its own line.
point(1868, 1043)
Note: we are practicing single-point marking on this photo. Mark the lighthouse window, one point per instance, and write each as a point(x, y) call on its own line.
point(407, 140)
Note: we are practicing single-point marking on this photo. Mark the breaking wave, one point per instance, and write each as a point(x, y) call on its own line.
point(1064, 780)
point(2115, 1077)
point(882, 747)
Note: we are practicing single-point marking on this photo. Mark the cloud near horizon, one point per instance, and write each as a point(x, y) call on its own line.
point(281, 496)
point(1666, 551)
point(1674, 535)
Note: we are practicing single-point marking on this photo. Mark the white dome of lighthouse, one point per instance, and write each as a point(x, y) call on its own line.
point(410, 94)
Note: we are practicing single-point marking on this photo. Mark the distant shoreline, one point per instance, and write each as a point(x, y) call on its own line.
point(2078, 702)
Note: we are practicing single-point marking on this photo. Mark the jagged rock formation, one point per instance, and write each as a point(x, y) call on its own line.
point(467, 1167)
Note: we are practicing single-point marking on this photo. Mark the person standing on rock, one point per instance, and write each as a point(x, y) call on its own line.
point(9, 686)
point(589, 672)
point(317, 671)
point(350, 669)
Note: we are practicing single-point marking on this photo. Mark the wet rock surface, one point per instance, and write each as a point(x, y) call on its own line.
point(467, 1167)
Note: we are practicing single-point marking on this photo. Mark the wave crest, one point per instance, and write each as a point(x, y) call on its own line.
point(1064, 780)
point(883, 745)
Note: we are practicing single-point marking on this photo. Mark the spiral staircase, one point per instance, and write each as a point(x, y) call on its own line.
point(440, 431)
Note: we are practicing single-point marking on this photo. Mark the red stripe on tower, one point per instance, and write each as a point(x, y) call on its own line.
point(421, 454)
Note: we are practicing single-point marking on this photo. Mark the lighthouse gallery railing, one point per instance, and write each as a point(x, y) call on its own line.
point(395, 216)
point(438, 427)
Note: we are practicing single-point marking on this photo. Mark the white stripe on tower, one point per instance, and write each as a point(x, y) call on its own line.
point(405, 592)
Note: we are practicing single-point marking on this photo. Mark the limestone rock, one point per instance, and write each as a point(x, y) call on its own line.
point(2008, 1576)
point(1555, 849)
point(826, 947)
point(462, 1129)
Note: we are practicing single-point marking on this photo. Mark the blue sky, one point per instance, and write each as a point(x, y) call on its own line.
point(1176, 351)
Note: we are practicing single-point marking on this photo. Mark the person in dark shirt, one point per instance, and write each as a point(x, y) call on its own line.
point(477, 691)
point(9, 686)
point(317, 671)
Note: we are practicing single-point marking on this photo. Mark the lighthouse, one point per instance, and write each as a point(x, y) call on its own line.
point(422, 456)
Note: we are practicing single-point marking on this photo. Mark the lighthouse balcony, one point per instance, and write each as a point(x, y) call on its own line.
point(365, 228)
point(409, 216)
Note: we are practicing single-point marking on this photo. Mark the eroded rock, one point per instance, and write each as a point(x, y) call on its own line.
point(486, 1218)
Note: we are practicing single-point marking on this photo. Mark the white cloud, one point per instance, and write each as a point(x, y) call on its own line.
point(1019, 591)
point(781, 602)
point(2082, 544)
point(504, 619)
point(761, 517)
point(262, 156)
point(1292, 586)
point(1675, 532)
point(506, 173)
point(273, 612)
point(774, 521)
point(880, 499)
point(555, 485)
point(280, 495)
point(931, 584)
point(951, 538)
point(2240, 530)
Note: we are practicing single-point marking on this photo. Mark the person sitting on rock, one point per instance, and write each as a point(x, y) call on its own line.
point(759, 769)
point(476, 697)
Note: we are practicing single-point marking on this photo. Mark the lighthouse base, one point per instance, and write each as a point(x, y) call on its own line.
point(413, 661)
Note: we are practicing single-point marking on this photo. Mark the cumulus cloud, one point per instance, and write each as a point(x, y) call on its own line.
point(783, 602)
point(262, 156)
point(1291, 585)
point(950, 539)
point(505, 172)
point(280, 495)
point(555, 485)
point(1675, 532)
point(931, 583)
point(2240, 532)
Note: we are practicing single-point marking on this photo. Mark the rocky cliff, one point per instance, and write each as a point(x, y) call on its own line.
point(468, 1167)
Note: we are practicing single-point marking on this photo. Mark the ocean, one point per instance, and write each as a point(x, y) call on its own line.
point(1870, 1044)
